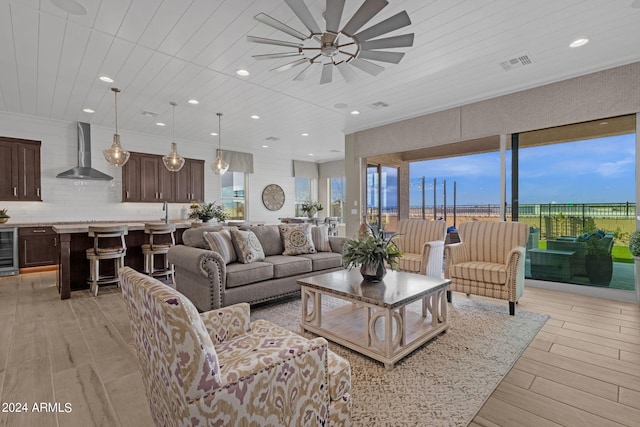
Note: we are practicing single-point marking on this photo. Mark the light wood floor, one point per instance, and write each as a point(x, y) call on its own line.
point(583, 368)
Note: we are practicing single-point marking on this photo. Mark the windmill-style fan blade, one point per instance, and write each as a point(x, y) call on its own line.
point(290, 65)
point(273, 42)
point(277, 55)
point(302, 12)
point(327, 71)
point(384, 56)
point(396, 21)
point(347, 72)
point(368, 10)
point(304, 73)
point(274, 23)
point(404, 40)
point(366, 66)
point(333, 15)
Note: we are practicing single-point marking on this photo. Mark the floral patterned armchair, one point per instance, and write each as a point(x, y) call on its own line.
point(217, 369)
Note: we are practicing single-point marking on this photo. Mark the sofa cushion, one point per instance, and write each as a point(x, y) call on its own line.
point(475, 271)
point(320, 236)
point(297, 239)
point(247, 246)
point(323, 260)
point(220, 241)
point(285, 265)
point(239, 274)
point(410, 262)
point(269, 237)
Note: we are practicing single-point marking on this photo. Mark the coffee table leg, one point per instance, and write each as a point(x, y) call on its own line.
point(314, 315)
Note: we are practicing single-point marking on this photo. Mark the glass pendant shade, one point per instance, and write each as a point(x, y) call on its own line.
point(173, 161)
point(219, 166)
point(116, 155)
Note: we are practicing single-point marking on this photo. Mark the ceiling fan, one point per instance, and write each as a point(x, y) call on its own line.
point(342, 48)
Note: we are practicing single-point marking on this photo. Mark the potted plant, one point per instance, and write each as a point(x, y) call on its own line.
point(3, 216)
point(597, 260)
point(207, 211)
point(311, 208)
point(371, 251)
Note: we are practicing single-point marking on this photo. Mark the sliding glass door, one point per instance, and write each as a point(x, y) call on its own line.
point(382, 197)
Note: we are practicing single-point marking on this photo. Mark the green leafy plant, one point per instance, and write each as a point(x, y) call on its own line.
point(371, 248)
point(311, 207)
point(634, 243)
point(3, 213)
point(208, 211)
point(596, 246)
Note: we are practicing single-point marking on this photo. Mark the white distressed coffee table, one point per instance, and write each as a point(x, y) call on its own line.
point(376, 322)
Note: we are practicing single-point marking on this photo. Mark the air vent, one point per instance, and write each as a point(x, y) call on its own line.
point(517, 62)
point(378, 105)
point(148, 113)
point(273, 138)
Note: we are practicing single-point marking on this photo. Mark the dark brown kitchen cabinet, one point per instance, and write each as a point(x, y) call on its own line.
point(146, 179)
point(19, 169)
point(190, 182)
point(38, 246)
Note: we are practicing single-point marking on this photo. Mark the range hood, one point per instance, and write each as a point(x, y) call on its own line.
point(84, 169)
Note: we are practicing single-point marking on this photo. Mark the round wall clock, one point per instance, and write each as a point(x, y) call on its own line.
point(273, 197)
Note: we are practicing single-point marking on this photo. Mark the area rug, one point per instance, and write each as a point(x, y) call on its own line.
point(443, 383)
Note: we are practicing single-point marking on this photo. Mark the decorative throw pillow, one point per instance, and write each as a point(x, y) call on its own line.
point(297, 239)
point(320, 235)
point(247, 245)
point(220, 241)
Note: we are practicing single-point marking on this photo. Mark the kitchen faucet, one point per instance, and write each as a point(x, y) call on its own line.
point(165, 208)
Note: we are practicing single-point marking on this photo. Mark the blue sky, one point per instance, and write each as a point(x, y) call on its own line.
point(592, 171)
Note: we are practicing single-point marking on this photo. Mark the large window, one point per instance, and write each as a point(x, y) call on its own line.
point(302, 193)
point(337, 195)
point(382, 197)
point(233, 194)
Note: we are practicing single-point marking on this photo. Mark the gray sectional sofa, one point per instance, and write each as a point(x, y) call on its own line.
point(202, 275)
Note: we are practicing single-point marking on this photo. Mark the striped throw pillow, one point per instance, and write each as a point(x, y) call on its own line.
point(220, 241)
point(320, 236)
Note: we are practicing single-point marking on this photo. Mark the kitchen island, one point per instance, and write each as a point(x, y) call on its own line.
point(73, 267)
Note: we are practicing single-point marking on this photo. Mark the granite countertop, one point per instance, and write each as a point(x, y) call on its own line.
point(83, 226)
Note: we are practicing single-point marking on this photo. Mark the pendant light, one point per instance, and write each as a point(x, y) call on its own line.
point(173, 161)
point(219, 166)
point(115, 154)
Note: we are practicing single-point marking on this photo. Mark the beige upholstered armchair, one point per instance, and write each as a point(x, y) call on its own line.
point(216, 368)
point(422, 246)
point(489, 260)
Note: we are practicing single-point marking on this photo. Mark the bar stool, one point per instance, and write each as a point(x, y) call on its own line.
point(161, 238)
point(108, 243)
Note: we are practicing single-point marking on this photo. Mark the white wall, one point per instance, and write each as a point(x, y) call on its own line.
point(82, 200)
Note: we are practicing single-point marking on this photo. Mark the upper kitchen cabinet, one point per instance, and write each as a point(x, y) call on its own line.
point(19, 169)
point(190, 182)
point(146, 179)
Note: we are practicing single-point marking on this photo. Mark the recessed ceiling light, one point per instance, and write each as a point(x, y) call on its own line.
point(193, 101)
point(265, 146)
point(242, 73)
point(214, 134)
point(88, 110)
point(604, 123)
point(106, 79)
point(355, 112)
point(579, 42)
point(310, 154)
point(305, 134)
point(255, 117)
point(160, 124)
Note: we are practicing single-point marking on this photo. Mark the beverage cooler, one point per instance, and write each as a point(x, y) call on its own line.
point(8, 251)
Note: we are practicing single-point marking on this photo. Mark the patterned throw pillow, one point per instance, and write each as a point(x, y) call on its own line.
point(297, 239)
point(247, 245)
point(220, 241)
point(320, 236)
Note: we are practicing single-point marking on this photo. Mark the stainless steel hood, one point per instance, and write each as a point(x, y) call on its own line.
point(84, 169)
